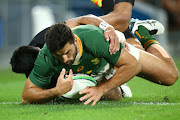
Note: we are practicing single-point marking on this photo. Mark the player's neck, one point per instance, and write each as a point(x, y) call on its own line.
point(78, 44)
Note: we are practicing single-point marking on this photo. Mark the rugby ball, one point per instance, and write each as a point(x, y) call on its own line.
point(81, 81)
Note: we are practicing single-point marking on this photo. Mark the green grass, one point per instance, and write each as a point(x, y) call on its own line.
point(147, 103)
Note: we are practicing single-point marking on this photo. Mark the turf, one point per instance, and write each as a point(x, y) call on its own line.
point(150, 101)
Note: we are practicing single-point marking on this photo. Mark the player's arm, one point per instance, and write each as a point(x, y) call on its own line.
point(94, 20)
point(119, 12)
point(120, 16)
point(127, 66)
point(83, 20)
point(34, 94)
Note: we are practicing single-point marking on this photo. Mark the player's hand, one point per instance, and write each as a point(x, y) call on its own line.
point(111, 36)
point(92, 94)
point(122, 39)
point(64, 85)
point(126, 45)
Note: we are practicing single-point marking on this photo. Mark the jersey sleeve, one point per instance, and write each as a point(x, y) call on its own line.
point(112, 59)
point(41, 73)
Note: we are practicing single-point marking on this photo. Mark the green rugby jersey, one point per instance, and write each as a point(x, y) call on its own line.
point(92, 58)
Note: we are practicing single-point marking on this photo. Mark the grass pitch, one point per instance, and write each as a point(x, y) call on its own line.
point(150, 101)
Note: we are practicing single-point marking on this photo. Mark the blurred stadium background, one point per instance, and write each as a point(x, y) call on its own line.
point(20, 20)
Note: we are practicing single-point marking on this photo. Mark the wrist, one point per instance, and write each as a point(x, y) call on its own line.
point(104, 25)
point(57, 92)
point(110, 28)
point(103, 89)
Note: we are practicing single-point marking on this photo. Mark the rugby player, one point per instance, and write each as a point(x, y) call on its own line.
point(26, 61)
point(85, 50)
point(38, 41)
point(24, 57)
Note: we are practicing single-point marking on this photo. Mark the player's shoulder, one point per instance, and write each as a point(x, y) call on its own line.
point(92, 38)
point(86, 29)
point(89, 33)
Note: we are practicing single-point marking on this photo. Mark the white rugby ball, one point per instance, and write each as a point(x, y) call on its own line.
point(81, 81)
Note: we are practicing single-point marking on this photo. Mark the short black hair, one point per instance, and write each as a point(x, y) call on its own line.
point(57, 36)
point(23, 58)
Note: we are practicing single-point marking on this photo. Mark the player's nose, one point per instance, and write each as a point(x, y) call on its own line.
point(64, 58)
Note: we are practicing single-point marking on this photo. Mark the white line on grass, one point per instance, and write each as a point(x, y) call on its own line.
point(152, 103)
point(143, 103)
point(11, 103)
point(134, 103)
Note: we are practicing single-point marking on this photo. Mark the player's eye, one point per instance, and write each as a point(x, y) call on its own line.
point(68, 51)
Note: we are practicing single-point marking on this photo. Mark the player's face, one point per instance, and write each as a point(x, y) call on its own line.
point(67, 55)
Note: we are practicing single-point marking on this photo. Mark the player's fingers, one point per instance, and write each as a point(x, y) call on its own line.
point(62, 73)
point(117, 44)
point(126, 45)
point(88, 101)
point(70, 76)
point(110, 47)
point(106, 36)
point(84, 91)
point(85, 97)
point(114, 43)
point(118, 48)
point(94, 103)
point(114, 49)
point(70, 73)
point(112, 40)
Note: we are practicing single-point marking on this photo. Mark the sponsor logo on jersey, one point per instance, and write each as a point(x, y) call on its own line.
point(95, 61)
point(80, 68)
point(89, 72)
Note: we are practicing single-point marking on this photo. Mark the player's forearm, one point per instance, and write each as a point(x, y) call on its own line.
point(90, 19)
point(120, 17)
point(73, 22)
point(122, 75)
point(83, 20)
point(36, 95)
